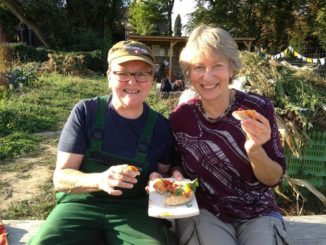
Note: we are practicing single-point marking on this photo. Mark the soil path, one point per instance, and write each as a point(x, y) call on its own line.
point(23, 178)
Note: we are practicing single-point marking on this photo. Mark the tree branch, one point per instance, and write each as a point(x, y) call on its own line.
point(16, 10)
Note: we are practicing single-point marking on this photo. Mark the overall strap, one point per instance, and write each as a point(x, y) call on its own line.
point(145, 138)
point(98, 132)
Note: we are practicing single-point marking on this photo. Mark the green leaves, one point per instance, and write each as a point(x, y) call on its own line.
point(177, 26)
point(145, 17)
point(21, 76)
point(17, 144)
point(66, 25)
point(193, 184)
point(274, 24)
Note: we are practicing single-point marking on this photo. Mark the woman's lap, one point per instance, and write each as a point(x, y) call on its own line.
point(206, 229)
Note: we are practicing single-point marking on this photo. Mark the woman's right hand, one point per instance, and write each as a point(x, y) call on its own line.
point(117, 176)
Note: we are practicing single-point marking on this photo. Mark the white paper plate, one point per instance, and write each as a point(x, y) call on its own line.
point(156, 207)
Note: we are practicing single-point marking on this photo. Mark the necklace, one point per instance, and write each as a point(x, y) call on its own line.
point(217, 119)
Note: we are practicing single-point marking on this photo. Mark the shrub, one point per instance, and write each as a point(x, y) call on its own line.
point(24, 53)
point(20, 76)
point(85, 39)
point(67, 64)
point(80, 62)
point(96, 61)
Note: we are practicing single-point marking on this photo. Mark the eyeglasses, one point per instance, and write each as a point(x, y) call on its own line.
point(141, 77)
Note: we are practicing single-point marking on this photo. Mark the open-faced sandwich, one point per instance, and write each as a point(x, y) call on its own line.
point(133, 169)
point(244, 114)
point(176, 192)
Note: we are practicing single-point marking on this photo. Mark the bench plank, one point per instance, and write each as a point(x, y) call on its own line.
point(301, 230)
point(306, 230)
point(20, 231)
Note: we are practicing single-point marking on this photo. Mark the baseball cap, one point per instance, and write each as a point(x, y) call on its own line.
point(124, 51)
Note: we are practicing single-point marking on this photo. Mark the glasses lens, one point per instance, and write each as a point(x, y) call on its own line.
point(122, 76)
point(142, 76)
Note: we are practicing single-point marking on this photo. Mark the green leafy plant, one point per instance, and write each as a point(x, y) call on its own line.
point(17, 144)
point(21, 76)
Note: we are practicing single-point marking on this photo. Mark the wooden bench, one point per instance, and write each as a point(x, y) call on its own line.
point(301, 230)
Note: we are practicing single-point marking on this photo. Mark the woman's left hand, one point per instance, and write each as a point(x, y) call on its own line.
point(177, 175)
point(152, 176)
point(155, 175)
point(258, 132)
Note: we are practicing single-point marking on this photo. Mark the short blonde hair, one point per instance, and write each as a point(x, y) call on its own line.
point(209, 40)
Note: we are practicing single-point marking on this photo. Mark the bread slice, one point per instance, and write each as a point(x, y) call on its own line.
point(173, 200)
point(244, 114)
point(133, 169)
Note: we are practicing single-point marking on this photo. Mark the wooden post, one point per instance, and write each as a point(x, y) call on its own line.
point(248, 44)
point(172, 43)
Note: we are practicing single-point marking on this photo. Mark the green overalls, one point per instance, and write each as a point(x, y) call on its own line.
point(97, 217)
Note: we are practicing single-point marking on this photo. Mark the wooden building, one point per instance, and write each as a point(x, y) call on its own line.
point(169, 47)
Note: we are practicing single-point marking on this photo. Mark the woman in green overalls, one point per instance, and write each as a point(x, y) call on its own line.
point(98, 200)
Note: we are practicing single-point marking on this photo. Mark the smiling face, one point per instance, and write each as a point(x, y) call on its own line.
point(128, 97)
point(210, 77)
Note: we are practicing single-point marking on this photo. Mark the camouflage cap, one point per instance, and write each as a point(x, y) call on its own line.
point(124, 51)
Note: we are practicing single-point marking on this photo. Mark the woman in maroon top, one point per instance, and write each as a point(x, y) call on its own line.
point(236, 162)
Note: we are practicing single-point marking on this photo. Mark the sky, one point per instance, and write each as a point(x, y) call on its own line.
point(182, 7)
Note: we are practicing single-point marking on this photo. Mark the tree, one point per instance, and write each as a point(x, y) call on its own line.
point(72, 24)
point(145, 16)
point(148, 16)
point(8, 22)
point(177, 26)
point(95, 24)
point(169, 8)
point(16, 9)
point(321, 26)
point(268, 21)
